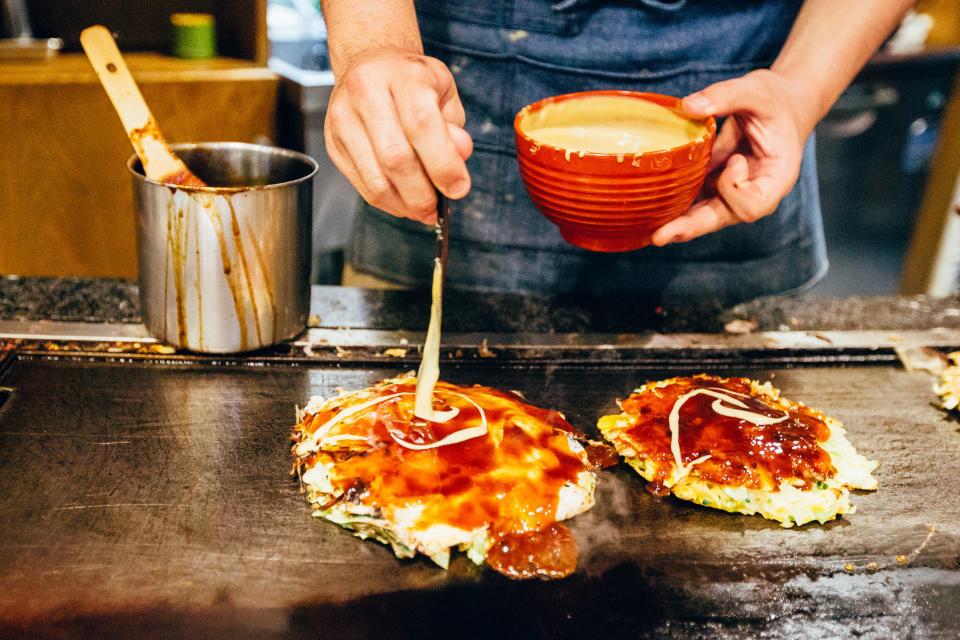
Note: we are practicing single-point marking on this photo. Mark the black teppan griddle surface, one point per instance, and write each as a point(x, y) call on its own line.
point(150, 500)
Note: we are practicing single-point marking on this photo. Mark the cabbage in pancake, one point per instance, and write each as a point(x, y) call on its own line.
point(742, 448)
point(948, 386)
point(369, 466)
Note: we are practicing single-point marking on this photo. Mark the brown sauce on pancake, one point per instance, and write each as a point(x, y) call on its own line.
point(742, 453)
point(483, 481)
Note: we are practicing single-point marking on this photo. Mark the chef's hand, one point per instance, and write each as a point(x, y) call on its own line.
point(756, 155)
point(394, 127)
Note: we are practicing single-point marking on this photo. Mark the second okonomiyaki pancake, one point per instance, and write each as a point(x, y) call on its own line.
point(737, 445)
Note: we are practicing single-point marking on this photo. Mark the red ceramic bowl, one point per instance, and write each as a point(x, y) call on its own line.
point(610, 201)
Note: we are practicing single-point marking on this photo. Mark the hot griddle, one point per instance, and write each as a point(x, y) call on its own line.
point(151, 497)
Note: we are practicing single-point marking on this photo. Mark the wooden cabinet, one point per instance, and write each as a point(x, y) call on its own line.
point(66, 198)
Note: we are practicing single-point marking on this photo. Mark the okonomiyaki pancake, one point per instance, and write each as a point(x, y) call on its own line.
point(495, 480)
point(737, 445)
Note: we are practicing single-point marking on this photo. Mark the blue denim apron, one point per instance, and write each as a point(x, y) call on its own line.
point(506, 54)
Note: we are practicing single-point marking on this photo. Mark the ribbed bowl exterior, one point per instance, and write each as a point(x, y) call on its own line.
point(612, 202)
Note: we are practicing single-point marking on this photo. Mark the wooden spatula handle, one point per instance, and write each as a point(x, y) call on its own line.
point(101, 49)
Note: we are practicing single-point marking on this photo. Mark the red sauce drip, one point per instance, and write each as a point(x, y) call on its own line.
point(658, 488)
point(184, 178)
point(493, 480)
point(743, 453)
point(601, 456)
point(550, 553)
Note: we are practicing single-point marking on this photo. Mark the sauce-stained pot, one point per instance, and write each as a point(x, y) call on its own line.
point(226, 268)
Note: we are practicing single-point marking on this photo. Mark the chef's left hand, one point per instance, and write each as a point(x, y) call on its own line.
point(756, 155)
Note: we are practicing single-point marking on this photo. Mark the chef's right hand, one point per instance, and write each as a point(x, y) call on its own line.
point(394, 127)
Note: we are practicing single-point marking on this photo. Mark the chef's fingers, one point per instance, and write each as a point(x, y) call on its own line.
point(429, 138)
point(707, 216)
point(353, 154)
point(450, 105)
point(698, 105)
point(741, 197)
point(357, 146)
point(461, 140)
point(453, 113)
point(751, 195)
point(396, 171)
point(744, 94)
point(729, 137)
point(703, 218)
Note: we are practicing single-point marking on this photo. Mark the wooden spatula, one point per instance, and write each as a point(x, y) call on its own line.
point(159, 162)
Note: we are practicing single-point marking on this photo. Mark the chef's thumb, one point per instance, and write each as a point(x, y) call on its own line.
point(721, 98)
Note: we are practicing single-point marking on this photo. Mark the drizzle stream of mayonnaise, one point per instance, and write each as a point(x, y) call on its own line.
point(743, 413)
point(457, 436)
point(429, 371)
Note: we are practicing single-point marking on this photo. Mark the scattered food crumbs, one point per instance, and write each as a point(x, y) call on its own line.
point(948, 385)
point(895, 338)
point(395, 353)
point(484, 351)
point(926, 541)
point(902, 559)
point(849, 567)
point(923, 359)
point(313, 321)
point(873, 566)
point(741, 326)
point(340, 351)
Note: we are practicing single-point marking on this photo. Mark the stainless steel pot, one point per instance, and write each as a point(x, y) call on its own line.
point(226, 268)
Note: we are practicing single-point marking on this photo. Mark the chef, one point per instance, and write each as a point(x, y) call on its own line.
point(425, 98)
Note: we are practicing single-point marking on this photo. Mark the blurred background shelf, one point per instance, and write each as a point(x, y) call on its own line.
point(66, 199)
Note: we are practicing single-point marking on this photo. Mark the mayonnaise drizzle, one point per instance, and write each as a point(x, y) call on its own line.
point(455, 437)
point(429, 371)
point(461, 435)
point(742, 413)
point(311, 445)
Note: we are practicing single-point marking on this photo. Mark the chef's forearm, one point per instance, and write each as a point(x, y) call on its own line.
point(357, 28)
point(830, 42)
